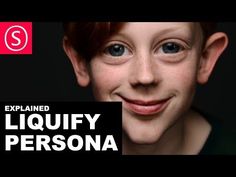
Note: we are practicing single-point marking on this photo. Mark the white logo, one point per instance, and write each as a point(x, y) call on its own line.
point(12, 31)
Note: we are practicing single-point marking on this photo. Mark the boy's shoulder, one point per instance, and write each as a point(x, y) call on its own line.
point(226, 142)
point(222, 138)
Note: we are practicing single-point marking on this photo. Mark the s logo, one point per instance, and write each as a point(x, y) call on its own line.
point(17, 38)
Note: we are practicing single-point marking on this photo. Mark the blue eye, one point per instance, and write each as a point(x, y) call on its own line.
point(116, 50)
point(171, 47)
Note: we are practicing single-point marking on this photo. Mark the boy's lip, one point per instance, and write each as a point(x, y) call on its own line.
point(144, 107)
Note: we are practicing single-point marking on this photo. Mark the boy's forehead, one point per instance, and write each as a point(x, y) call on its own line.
point(143, 33)
point(158, 26)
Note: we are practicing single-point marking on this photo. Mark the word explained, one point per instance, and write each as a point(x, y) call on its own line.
point(11, 108)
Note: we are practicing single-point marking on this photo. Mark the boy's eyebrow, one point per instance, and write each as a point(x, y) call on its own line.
point(180, 31)
point(173, 29)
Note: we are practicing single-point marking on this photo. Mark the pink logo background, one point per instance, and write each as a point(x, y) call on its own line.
point(16, 38)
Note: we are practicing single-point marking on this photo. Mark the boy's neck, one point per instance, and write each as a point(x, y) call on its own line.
point(187, 136)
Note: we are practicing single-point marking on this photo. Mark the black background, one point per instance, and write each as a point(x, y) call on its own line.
point(47, 75)
point(218, 96)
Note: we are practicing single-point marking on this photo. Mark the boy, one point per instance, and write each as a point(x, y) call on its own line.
point(152, 68)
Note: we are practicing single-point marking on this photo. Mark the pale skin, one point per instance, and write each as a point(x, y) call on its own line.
point(153, 68)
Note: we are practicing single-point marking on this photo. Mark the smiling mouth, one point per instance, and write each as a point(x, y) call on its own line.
point(146, 107)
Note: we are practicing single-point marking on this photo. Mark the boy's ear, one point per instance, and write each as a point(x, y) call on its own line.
point(214, 47)
point(79, 64)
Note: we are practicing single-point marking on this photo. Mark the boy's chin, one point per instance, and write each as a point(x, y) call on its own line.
point(144, 139)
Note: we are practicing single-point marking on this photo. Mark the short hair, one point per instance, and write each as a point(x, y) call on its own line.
point(87, 37)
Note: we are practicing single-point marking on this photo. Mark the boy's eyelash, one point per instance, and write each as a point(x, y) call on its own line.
point(174, 45)
point(182, 45)
point(125, 46)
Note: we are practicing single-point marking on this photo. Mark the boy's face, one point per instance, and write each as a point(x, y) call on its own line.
point(152, 68)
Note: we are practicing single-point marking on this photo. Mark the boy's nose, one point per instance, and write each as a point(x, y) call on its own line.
point(144, 72)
